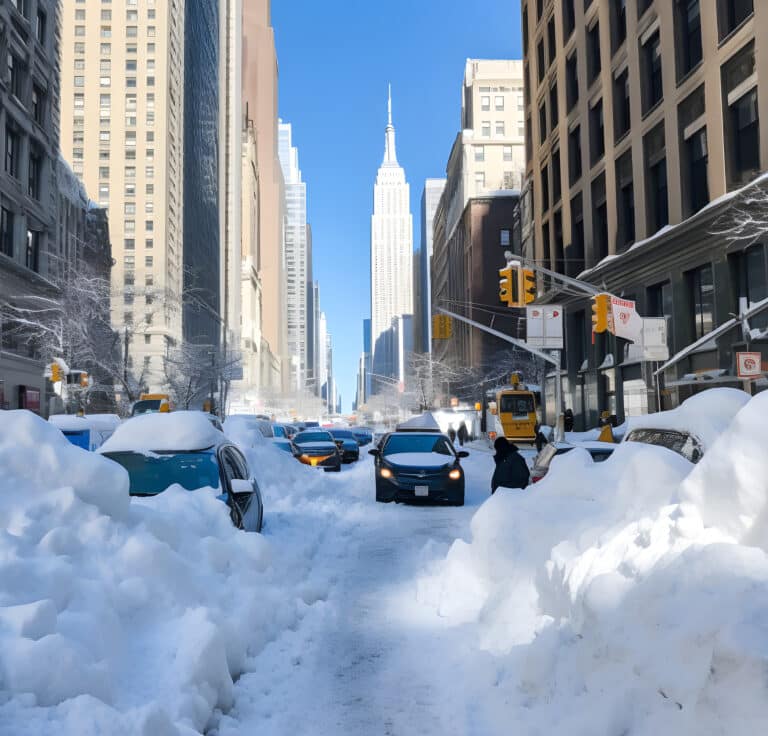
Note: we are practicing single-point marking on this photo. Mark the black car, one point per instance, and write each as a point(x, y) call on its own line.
point(348, 444)
point(419, 466)
point(316, 447)
point(599, 451)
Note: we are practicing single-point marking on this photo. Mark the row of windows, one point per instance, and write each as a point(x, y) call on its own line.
point(106, 32)
point(9, 225)
point(30, 94)
point(14, 152)
point(132, 16)
point(41, 19)
point(105, 65)
point(105, 49)
point(106, 81)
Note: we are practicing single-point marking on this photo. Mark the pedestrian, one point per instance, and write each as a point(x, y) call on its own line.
point(452, 434)
point(568, 420)
point(511, 469)
point(463, 434)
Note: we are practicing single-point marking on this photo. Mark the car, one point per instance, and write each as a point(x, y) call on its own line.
point(284, 444)
point(419, 466)
point(88, 431)
point(599, 451)
point(317, 448)
point(363, 435)
point(184, 448)
point(347, 443)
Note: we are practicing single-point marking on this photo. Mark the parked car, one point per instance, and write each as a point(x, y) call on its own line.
point(317, 448)
point(184, 448)
point(89, 431)
point(151, 403)
point(419, 466)
point(599, 451)
point(348, 444)
point(363, 435)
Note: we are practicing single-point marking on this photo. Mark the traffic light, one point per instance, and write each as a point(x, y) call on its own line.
point(601, 309)
point(442, 327)
point(447, 327)
point(85, 381)
point(508, 286)
point(527, 288)
point(55, 373)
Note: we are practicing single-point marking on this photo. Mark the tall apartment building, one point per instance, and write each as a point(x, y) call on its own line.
point(391, 252)
point(122, 90)
point(644, 125)
point(29, 120)
point(296, 255)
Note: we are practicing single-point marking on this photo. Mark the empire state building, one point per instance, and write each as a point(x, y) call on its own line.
point(391, 261)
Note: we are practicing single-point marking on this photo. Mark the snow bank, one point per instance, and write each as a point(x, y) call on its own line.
point(629, 596)
point(117, 616)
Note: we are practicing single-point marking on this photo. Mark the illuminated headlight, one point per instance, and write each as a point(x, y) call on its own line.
point(386, 473)
point(304, 457)
point(455, 474)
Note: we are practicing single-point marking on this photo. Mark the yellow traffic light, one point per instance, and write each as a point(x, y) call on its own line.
point(84, 380)
point(601, 308)
point(447, 327)
point(507, 286)
point(55, 373)
point(527, 290)
point(437, 327)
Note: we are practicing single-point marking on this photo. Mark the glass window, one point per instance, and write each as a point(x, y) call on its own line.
point(652, 81)
point(701, 289)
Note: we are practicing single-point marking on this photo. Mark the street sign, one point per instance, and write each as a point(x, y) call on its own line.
point(749, 365)
point(651, 346)
point(544, 327)
point(627, 323)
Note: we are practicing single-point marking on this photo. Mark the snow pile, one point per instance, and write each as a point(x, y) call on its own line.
point(118, 616)
point(174, 431)
point(629, 596)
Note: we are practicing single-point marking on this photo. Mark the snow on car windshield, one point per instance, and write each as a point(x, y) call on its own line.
point(417, 443)
point(150, 475)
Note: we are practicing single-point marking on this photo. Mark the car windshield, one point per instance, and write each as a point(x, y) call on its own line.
point(518, 405)
point(313, 437)
point(680, 442)
point(401, 443)
point(152, 474)
point(146, 406)
point(342, 434)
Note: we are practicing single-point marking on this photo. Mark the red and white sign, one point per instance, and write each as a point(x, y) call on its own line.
point(627, 323)
point(544, 327)
point(749, 365)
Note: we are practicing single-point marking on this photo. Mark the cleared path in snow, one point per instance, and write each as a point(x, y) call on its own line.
point(356, 662)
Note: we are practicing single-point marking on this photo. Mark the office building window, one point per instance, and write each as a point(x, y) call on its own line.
point(129, 244)
point(17, 76)
point(575, 258)
point(618, 23)
point(625, 205)
point(701, 292)
point(596, 133)
point(479, 153)
point(505, 238)
point(594, 62)
point(556, 183)
point(599, 220)
point(571, 82)
point(545, 244)
point(621, 109)
point(642, 6)
point(553, 114)
point(485, 103)
point(651, 71)
point(507, 153)
point(694, 154)
point(541, 60)
point(731, 14)
point(485, 129)
point(659, 300)
point(479, 181)
point(35, 173)
point(6, 232)
point(545, 188)
point(12, 151)
point(742, 122)
point(41, 27)
point(552, 40)
point(569, 18)
point(657, 199)
point(32, 255)
point(500, 130)
point(525, 31)
point(528, 141)
point(687, 35)
point(539, 9)
point(574, 155)
point(542, 122)
point(750, 279)
point(558, 253)
point(498, 103)
point(38, 104)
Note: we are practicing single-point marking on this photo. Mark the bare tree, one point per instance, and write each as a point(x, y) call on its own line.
point(745, 219)
point(429, 379)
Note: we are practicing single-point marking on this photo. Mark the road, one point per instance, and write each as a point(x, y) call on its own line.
point(358, 660)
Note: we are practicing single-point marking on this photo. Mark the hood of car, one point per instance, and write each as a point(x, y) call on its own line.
point(428, 461)
point(317, 446)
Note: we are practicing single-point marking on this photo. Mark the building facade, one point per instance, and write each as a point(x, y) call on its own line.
point(122, 90)
point(644, 125)
point(391, 248)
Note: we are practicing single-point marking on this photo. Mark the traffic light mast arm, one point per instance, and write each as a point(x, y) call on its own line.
point(566, 280)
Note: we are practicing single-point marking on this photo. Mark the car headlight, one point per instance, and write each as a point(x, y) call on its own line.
point(385, 473)
point(455, 474)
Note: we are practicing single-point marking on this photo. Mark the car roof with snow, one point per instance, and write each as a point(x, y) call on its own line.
point(705, 415)
point(70, 422)
point(178, 431)
point(424, 423)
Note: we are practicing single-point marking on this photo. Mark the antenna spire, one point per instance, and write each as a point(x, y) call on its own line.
point(389, 105)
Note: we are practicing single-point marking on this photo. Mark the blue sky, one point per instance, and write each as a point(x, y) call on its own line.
point(335, 60)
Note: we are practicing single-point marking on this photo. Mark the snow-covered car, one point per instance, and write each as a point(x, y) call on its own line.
point(419, 466)
point(316, 447)
point(89, 431)
point(598, 451)
point(183, 448)
point(692, 428)
point(348, 444)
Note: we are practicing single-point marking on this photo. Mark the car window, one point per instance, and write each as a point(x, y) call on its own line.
point(398, 443)
point(600, 456)
point(152, 474)
point(343, 434)
point(682, 443)
point(314, 437)
point(240, 461)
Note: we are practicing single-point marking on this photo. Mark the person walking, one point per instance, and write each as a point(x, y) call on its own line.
point(511, 469)
point(462, 433)
point(452, 434)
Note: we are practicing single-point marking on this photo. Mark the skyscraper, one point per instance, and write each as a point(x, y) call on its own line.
point(430, 198)
point(391, 250)
point(296, 256)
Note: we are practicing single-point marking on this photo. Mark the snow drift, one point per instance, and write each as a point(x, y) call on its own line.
point(625, 597)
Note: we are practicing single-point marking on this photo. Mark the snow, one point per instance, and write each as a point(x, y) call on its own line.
point(419, 459)
point(174, 431)
point(70, 422)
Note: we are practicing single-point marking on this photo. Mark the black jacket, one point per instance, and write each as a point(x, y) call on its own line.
point(511, 471)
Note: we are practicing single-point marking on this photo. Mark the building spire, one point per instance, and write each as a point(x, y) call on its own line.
point(390, 153)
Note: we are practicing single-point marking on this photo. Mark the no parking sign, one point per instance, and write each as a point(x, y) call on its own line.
point(749, 365)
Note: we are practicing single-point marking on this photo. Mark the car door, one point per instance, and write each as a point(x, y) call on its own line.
point(250, 502)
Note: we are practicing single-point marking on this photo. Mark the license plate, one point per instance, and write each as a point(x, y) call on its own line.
point(421, 490)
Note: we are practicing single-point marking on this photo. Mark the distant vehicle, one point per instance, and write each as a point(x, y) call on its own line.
point(283, 443)
point(684, 443)
point(363, 435)
point(183, 448)
point(88, 431)
point(310, 425)
point(317, 448)
point(151, 403)
point(419, 466)
point(348, 444)
point(599, 451)
point(515, 409)
point(291, 431)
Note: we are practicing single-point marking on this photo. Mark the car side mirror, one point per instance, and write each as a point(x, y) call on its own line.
point(462, 454)
point(375, 453)
point(238, 485)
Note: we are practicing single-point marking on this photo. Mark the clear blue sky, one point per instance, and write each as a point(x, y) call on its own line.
point(335, 61)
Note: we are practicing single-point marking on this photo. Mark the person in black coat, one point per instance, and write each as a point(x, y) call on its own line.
point(511, 469)
point(462, 434)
